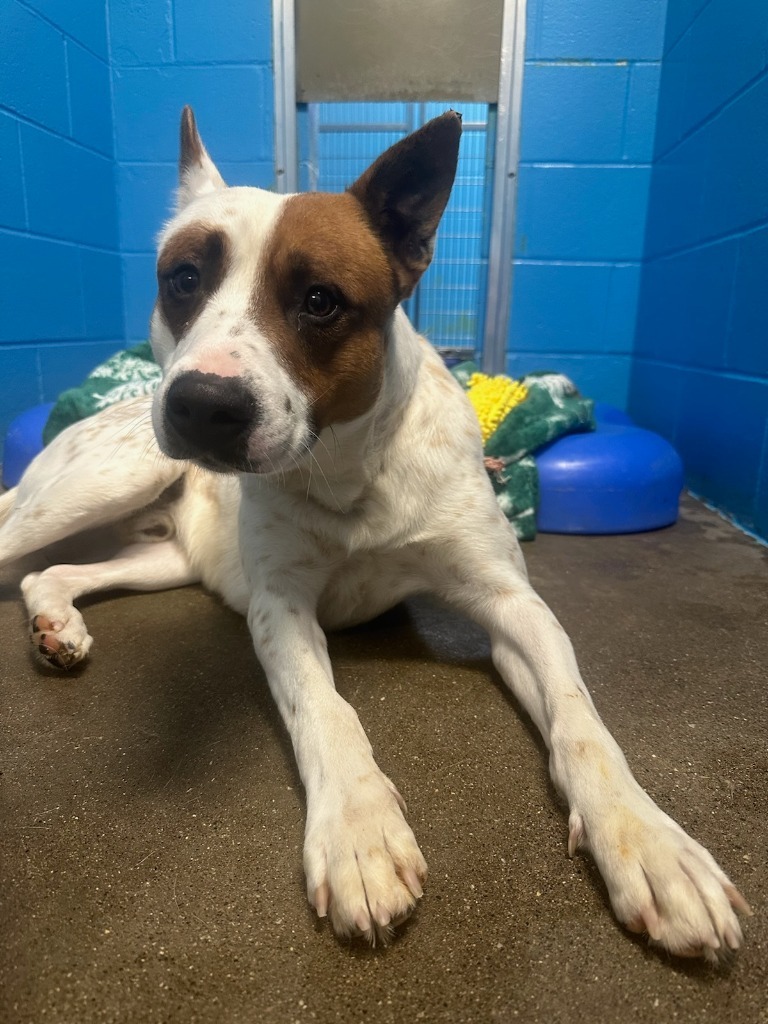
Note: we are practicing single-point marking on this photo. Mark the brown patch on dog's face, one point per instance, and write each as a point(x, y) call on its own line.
point(325, 300)
point(190, 268)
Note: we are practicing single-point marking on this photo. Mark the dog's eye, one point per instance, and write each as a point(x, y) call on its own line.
point(320, 303)
point(184, 280)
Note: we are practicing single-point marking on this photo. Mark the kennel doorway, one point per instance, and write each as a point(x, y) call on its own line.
point(351, 80)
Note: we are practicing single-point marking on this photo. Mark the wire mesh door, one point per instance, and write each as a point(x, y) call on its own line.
point(339, 140)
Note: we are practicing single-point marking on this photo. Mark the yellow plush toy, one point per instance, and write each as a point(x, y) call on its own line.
point(492, 398)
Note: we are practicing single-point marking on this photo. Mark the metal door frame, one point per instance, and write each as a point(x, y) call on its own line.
point(284, 59)
point(498, 297)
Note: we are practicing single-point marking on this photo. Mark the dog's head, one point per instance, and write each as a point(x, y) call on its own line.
point(273, 312)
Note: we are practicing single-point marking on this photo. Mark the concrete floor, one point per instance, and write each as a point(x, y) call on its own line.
point(150, 859)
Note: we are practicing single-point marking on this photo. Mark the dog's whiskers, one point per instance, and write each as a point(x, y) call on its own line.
point(313, 459)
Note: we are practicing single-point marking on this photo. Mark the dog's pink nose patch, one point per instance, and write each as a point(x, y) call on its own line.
point(223, 364)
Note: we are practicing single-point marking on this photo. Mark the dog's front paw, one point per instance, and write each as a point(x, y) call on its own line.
point(364, 868)
point(663, 883)
point(61, 643)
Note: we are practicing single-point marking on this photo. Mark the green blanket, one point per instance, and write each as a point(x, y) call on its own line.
point(127, 374)
point(553, 407)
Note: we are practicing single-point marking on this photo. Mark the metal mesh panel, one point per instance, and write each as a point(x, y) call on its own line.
point(342, 139)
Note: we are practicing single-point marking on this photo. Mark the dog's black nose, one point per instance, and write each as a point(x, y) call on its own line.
point(209, 415)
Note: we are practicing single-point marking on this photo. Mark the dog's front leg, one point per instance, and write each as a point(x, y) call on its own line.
point(362, 863)
point(660, 881)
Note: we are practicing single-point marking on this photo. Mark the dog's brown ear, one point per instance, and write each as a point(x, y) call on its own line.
point(197, 172)
point(405, 191)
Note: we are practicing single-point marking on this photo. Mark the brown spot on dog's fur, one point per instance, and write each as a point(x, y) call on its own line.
point(199, 246)
point(325, 240)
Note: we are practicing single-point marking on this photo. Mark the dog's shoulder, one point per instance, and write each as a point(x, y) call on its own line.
point(440, 429)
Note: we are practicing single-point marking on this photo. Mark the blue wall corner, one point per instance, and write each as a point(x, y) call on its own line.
point(700, 373)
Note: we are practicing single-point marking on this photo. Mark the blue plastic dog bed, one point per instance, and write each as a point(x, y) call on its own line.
point(619, 479)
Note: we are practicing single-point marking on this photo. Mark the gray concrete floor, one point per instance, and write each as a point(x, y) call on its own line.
point(151, 848)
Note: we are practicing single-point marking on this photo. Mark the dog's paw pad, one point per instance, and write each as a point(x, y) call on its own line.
point(42, 624)
point(61, 644)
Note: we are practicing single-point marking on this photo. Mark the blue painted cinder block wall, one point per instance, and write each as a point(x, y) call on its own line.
point(589, 105)
point(700, 369)
point(61, 307)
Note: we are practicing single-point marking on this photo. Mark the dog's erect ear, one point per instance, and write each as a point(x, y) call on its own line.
point(405, 191)
point(197, 172)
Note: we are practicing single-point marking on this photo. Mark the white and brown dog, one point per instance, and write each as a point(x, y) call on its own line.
point(318, 465)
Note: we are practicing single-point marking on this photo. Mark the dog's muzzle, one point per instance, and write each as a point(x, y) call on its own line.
point(210, 419)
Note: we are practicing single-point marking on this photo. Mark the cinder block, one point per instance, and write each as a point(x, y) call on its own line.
point(596, 30)
point(234, 108)
point(573, 113)
point(84, 20)
point(747, 342)
point(727, 50)
point(12, 213)
point(33, 267)
point(684, 305)
point(33, 77)
point(654, 395)
point(70, 190)
point(146, 199)
point(720, 437)
point(582, 213)
point(102, 294)
point(640, 116)
point(677, 216)
point(559, 307)
point(680, 16)
point(90, 99)
point(735, 193)
point(574, 307)
point(203, 36)
point(673, 88)
point(139, 290)
point(141, 32)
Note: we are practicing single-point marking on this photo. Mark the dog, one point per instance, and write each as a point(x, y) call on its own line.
point(309, 458)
